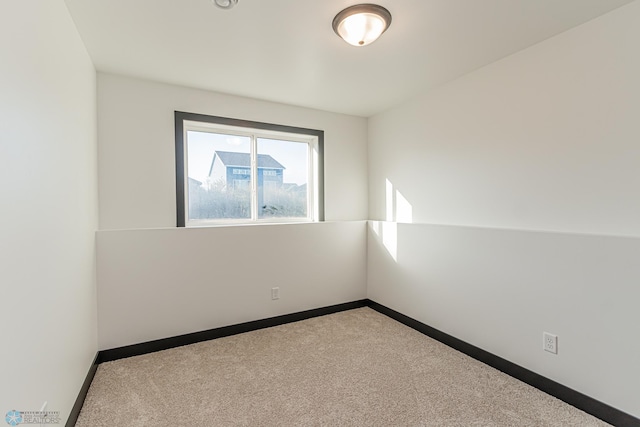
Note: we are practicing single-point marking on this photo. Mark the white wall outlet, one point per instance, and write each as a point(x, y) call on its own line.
point(550, 342)
point(275, 293)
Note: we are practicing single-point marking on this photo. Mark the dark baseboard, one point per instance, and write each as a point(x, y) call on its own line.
point(77, 406)
point(574, 398)
point(178, 341)
point(581, 401)
point(167, 343)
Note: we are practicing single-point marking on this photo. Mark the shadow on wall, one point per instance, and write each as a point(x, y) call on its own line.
point(398, 209)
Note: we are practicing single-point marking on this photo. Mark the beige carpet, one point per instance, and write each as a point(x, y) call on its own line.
point(355, 368)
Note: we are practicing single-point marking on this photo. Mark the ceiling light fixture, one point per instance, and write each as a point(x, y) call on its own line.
point(225, 4)
point(362, 24)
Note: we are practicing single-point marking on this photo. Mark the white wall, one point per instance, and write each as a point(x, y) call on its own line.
point(48, 218)
point(160, 283)
point(543, 140)
point(500, 289)
point(546, 139)
point(216, 276)
point(137, 149)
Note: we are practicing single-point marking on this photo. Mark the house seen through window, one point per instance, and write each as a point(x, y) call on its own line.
point(237, 171)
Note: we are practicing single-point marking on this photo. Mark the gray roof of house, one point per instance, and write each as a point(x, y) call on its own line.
point(230, 158)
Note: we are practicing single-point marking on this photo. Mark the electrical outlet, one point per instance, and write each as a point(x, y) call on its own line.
point(275, 293)
point(550, 342)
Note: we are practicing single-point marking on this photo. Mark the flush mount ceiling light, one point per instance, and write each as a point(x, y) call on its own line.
point(225, 4)
point(362, 24)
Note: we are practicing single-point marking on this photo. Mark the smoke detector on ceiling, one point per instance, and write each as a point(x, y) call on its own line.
point(225, 4)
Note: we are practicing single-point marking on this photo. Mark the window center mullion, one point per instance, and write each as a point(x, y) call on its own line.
point(254, 178)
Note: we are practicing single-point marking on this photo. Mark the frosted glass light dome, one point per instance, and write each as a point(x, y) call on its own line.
point(362, 24)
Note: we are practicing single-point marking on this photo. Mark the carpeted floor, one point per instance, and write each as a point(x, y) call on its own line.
point(355, 368)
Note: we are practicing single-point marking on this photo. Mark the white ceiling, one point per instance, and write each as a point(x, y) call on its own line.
point(286, 50)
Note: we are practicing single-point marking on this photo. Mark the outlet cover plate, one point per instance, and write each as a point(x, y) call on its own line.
point(550, 342)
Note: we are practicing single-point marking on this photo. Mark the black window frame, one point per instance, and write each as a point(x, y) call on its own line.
point(181, 117)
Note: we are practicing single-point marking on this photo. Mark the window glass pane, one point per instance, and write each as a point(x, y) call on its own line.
point(219, 174)
point(283, 174)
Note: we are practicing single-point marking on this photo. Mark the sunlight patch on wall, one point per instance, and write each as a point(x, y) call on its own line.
point(387, 234)
point(389, 201)
point(404, 210)
point(397, 209)
point(375, 226)
point(390, 238)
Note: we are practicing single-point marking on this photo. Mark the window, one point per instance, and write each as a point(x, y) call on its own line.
point(241, 184)
point(235, 171)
